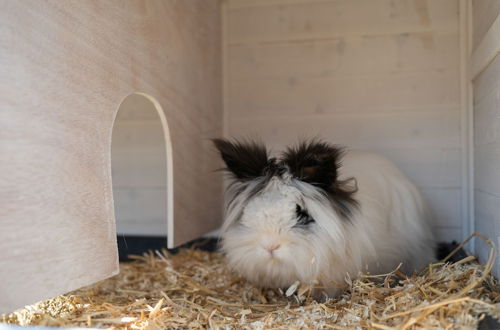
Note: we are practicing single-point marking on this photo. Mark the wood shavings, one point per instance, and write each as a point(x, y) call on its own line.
point(291, 290)
point(195, 290)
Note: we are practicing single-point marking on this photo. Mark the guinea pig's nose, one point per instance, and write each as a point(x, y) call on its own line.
point(272, 247)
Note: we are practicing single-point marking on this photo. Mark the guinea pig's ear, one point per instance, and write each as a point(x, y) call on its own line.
point(317, 163)
point(245, 160)
point(314, 162)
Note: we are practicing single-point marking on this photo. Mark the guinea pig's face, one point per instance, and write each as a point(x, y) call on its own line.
point(284, 216)
point(273, 241)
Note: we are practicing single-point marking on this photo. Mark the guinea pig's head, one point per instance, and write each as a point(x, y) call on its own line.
point(285, 217)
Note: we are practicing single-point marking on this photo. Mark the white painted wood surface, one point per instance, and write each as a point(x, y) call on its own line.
point(486, 49)
point(484, 13)
point(139, 169)
point(487, 156)
point(374, 75)
point(466, 120)
point(65, 67)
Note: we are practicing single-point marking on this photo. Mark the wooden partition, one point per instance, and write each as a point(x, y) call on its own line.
point(65, 67)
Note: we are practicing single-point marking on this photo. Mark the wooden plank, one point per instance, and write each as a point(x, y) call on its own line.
point(344, 94)
point(330, 19)
point(393, 130)
point(141, 211)
point(147, 168)
point(422, 51)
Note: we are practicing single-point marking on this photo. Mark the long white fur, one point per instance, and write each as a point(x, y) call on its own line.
point(390, 226)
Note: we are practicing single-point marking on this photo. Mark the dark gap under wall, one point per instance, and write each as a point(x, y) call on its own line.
point(137, 245)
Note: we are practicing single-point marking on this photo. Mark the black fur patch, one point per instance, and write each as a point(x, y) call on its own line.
point(314, 162)
point(245, 160)
point(317, 163)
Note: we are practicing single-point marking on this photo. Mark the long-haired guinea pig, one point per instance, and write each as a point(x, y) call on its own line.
point(316, 214)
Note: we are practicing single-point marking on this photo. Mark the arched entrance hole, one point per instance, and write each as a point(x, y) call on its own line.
point(141, 164)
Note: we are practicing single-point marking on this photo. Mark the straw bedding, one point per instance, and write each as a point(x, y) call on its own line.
point(194, 289)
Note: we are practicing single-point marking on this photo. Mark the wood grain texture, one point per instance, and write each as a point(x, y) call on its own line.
point(374, 75)
point(487, 155)
point(318, 20)
point(65, 67)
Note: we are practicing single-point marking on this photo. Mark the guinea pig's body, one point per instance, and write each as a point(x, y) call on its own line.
point(316, 215)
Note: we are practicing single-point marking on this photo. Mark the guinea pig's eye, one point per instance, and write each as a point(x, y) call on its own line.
point(303, 217)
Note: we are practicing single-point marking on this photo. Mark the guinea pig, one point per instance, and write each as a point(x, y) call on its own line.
point(317, 214)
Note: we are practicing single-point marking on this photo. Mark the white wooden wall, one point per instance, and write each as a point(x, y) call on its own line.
point(139, 169)
point(486, 104)
point(374, 75)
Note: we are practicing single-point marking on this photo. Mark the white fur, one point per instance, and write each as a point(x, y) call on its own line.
point(390, 226)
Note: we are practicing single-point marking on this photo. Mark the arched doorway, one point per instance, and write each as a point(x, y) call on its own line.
point(141, 164)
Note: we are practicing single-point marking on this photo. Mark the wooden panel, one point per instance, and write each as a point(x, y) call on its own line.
point(487, 155)
point(327, 19)
point(407, 52)
point(391, 130)
point(484, 13)
point(141, 211)
point(141, 170)
point(348, 94)
point(66, 66)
